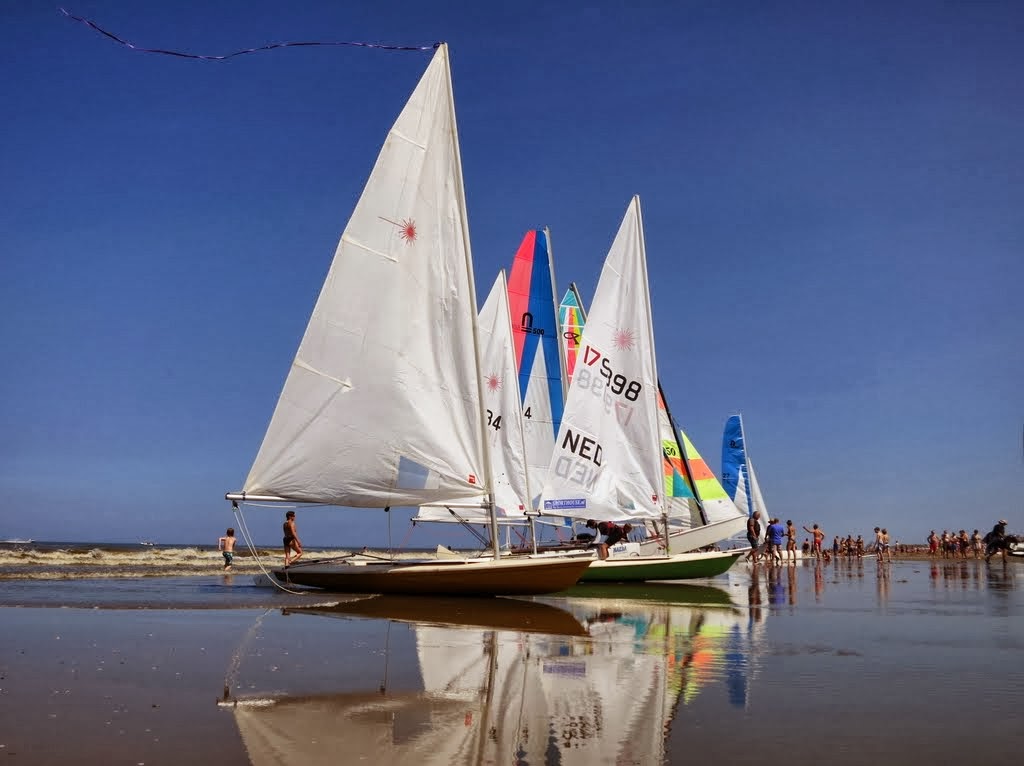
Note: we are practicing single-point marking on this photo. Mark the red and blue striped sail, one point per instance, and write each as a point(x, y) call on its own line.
point(535, 332)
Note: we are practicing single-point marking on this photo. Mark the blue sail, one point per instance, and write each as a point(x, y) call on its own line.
point(734, 463)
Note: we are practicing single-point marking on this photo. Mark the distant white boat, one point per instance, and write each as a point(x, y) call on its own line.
point(16, 542)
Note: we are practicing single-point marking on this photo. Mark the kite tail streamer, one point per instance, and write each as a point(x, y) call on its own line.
point(225, 57)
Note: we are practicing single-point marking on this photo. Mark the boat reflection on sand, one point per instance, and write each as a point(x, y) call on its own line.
point(505, 614)
point(574, 679)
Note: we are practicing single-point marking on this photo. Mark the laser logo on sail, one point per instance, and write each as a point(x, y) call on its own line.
point(526, 325)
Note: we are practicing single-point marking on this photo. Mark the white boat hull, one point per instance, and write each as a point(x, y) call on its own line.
point(696, 538)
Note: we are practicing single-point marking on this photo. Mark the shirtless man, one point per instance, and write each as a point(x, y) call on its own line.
point(753, 535)
point(291, 540)
point(226, 545)
point(819, 537)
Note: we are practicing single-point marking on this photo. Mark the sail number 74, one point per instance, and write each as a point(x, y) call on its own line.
point(617, 383)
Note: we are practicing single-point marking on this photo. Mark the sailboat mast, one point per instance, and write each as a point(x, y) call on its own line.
point(686, 458)
point(646, 282)
point(519, 413)
point(686, 462)
point(562, 361)
point(753, 510)
point(481, 420)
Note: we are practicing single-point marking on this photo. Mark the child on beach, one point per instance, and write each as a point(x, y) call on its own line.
point(226, 545)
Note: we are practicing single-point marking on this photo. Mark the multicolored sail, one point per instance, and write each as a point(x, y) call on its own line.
point(537, 350)
point(571, 318)
point(715, 503)
point(680, 500)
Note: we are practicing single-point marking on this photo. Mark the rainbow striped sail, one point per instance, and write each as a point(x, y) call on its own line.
point(714, 501)
point(571, 318)
point(535, 332)
point(680, 500)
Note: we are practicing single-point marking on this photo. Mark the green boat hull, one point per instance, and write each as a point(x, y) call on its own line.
point(683, 567)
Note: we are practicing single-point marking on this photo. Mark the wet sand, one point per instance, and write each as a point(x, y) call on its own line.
point(100, 686)
point(845, 664)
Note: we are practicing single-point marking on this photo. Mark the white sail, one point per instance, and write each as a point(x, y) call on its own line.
point(607, 462)
point(756, 499)
point(382, 405)
point(503, 415)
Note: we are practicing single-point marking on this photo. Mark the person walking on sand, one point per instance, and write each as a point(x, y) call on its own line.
point(878, 542)
point(790, 540)
point(753, 533)
point(885, 545)
point(291, 540)
point(226, 545)
point(774, 535)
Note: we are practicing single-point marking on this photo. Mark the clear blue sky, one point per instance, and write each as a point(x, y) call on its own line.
point(833, 197)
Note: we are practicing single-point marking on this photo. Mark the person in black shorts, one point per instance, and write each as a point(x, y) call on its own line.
point(292, 544)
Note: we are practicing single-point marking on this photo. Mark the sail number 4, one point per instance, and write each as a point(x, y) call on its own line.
point(615, 382)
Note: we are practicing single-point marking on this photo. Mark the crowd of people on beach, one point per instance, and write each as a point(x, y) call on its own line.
point(960, 545)
point(778, 544)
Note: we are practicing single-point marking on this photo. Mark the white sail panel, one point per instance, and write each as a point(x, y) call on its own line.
point(503, 417)
point(607, 462)
point(756, 499)
point(538, 432)
point(381, 405)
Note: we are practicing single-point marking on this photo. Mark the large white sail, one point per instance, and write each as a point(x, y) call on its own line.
point(607, 462)
point(503, 417)
point(382, 405)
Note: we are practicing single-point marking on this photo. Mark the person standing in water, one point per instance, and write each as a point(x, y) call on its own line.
point(226, 545)
point(292, 543)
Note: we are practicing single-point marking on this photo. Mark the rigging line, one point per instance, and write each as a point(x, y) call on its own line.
point(255, 554)
point(258, 49)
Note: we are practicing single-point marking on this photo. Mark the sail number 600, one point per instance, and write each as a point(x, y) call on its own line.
point(617, 383)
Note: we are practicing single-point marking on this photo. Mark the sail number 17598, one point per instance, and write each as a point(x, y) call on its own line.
point(615, 382)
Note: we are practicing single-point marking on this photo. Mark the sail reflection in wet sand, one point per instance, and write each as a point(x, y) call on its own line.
point(582, 679)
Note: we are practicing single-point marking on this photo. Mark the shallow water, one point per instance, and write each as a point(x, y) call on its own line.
point(846, 663)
